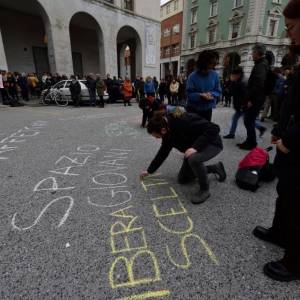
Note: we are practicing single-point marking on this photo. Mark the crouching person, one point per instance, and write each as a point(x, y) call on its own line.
point(198, 139)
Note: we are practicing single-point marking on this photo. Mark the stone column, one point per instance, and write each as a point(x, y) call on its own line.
point(59, 48)
point(110, 50)
point(102, 68)
point(3, 62)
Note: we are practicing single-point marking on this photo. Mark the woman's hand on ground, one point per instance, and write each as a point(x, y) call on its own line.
point(143, 174)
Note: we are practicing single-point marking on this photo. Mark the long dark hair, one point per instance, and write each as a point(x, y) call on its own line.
point(157, 123)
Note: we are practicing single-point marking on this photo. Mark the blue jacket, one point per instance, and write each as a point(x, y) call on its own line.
point(149, 87)
point(279, 86)
point(197, 84)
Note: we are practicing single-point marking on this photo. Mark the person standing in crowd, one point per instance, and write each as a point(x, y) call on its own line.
point(174, 88)
point(285, 230)
point(12, 89)
point(239, 91)
point(3, 91)
point(230, 62)
point(277, 96)
point(75, 90)
point(140, 86)
point(148, 103)
point(23, 84)
point(149, 87)
point(155, 82)
point(101, 88)
point(32, 84)
point(198, 139)
point(203, 86)
point(149, 92)
point(181, 90)
point(135, 92)
point(269, 87)
point(169, 79)
point(44, 81)
point(127, 91)
point(162, 90)
point(91, 85)
point(116, 94)
point(255, 96)
point(109, 86)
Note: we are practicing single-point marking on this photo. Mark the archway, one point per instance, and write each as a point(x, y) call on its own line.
point(25, 45)
point(87, 45)
point(129, 43)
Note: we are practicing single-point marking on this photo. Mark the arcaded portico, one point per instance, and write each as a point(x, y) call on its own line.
point(80, 36)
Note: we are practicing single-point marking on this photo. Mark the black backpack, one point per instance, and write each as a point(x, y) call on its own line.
point(250, 177)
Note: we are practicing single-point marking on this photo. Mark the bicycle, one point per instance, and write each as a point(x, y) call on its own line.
point(54, 96)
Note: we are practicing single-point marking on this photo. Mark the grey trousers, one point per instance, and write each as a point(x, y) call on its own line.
point(193, 167)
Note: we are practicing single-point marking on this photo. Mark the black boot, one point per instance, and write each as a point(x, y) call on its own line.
point(200, 197)
point(219, 170)
point(278, 271)
point(266, 235)
point(246, 146)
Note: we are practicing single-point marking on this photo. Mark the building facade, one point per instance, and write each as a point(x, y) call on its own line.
point(234, 25)
point(171, 14)
point(80, 36)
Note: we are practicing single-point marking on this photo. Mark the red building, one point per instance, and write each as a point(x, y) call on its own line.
point(171, 36)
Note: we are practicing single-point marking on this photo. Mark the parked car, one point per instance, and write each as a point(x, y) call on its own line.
point(64, 85)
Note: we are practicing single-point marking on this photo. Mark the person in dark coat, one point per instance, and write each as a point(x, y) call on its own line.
point(194, 136)
point(155, 82)
point(75, 90)
point(231, 61)
point(255, 95)
point(239, 94)
point(12, 89)
point(140, 86)
point(91, 85)
point(162, 90)
point(109, 85)
point(23, 84)
point(285, 230)
point(238, 91)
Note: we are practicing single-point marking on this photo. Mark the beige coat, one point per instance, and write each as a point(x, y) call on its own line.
point(174, 87)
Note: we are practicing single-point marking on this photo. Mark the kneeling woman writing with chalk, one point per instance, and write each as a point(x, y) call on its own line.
point(194, 136)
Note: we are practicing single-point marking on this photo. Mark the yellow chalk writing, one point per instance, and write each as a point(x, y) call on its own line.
point(123, 261)
point(173, 195)
point(179, 209)
point(188, 230)
point(122, 213)
point(148, 295)
point(187, 256)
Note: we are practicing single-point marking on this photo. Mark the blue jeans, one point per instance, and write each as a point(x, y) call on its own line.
point(234, 123)
point(235, 119)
